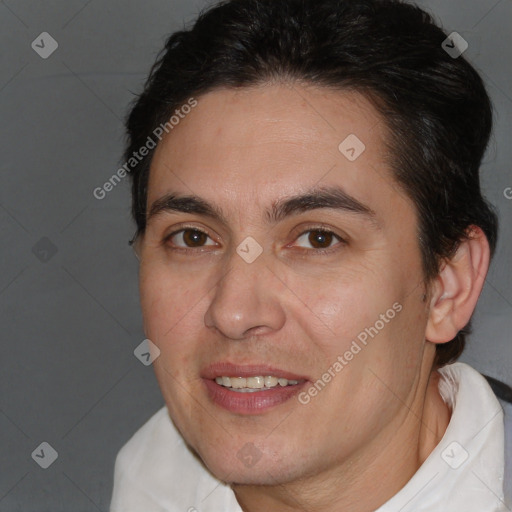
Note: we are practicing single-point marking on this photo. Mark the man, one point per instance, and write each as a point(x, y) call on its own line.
point(312, 242)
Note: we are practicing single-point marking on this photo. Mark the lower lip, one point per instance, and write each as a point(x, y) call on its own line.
point(250, 403)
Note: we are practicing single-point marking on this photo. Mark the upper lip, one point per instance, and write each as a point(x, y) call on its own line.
point(227, 369)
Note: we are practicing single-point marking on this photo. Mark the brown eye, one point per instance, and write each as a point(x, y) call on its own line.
point(190, 238)
point(319, 238)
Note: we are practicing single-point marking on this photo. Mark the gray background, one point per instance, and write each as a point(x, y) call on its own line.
point(68, 282)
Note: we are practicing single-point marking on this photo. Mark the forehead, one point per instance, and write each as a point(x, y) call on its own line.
point(238, 147)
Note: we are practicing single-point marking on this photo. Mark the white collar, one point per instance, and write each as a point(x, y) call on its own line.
point(464, 472)
point(155, 471)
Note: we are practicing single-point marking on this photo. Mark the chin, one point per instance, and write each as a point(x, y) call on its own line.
point(250, 466)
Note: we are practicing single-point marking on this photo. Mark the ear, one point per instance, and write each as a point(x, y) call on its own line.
point(455, 291)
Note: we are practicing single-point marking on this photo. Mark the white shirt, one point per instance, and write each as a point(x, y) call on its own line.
point(156, 472)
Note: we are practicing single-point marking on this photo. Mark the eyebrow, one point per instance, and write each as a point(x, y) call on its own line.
point(332, 197)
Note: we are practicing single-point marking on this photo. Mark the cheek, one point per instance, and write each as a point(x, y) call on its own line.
point(154, 301)
point(333, 320)
point(353, 301)
point(380, 312)
point(166, 304)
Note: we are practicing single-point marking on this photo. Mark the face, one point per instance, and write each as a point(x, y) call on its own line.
point(322, 292)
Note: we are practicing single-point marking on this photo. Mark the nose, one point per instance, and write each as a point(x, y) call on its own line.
point(246, 300)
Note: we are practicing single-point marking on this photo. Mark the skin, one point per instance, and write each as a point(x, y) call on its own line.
point(295, 308)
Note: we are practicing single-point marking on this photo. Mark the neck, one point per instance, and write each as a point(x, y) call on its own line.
point(365, 482)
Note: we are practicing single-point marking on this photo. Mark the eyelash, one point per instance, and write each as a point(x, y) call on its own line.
point(319, 229)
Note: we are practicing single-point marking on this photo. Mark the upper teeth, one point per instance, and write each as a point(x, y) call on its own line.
point(257, 382)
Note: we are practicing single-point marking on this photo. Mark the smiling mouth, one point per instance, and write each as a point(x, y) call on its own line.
point(250, 389)
point(254, 384)
point(252, 395)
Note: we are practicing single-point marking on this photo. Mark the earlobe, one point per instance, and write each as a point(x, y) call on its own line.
point(455, 291)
